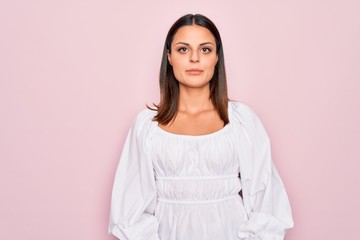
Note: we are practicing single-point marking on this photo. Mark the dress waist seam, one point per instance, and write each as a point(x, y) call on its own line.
point(196, 201)
point(198, 177)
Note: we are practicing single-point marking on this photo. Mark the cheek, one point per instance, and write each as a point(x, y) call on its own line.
point(178, 65)
point(210, 68)
point(178, 62)
point(210, 64)
point(210, 73)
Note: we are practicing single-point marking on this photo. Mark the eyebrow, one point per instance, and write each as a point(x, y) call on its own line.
point(187, 44)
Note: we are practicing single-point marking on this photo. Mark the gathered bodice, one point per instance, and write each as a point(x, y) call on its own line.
point(194, 169)
point(182, 187)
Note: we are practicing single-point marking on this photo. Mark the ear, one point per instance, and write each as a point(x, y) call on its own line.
point(169, 56)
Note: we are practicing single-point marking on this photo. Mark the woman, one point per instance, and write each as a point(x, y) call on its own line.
point(198, 166)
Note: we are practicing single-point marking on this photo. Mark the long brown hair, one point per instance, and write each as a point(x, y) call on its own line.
point(169, 86)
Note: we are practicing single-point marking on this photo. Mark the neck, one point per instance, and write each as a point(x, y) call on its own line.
point(194, 100)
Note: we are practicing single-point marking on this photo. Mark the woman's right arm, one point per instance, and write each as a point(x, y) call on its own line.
point(134, 192)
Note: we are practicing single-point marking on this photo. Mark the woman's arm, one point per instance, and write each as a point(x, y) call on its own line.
point(264, 195)
point(134, 193)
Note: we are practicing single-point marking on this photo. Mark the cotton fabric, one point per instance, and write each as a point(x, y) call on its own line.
point(183, 187)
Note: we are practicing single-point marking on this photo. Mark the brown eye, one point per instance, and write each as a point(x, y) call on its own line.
point(183, 50)
point(205, 50)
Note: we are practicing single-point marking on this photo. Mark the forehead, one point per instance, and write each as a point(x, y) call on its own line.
point(193, 34)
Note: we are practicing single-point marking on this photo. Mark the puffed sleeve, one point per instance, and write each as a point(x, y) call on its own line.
point(264, 196)
point(134, 192)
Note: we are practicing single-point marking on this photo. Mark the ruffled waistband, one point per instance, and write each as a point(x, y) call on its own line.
point(197, 189)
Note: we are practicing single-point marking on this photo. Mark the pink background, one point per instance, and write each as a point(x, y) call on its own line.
point(74, 74)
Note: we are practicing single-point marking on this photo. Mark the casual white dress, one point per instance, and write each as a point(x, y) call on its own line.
point(183, 187)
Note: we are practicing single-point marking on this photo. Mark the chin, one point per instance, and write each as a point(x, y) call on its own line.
point(195, 85)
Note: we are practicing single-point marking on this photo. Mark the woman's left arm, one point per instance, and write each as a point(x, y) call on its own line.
point(264, 195)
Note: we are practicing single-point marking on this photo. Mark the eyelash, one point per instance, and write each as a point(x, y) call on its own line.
point(207, 50)
point(184, 50)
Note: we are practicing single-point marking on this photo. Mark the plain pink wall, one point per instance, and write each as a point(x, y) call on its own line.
point(73, 74)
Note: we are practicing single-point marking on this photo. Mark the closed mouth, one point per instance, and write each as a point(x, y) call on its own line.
point(194, 71)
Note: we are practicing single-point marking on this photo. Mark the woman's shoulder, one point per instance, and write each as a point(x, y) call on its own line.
point(144, 118)
point(248, 118)
point(241, 111)
point(146, 114)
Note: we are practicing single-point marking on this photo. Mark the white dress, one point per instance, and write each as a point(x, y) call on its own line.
point(183, 187)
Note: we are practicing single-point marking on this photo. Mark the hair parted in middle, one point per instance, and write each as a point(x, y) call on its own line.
point(169, 86)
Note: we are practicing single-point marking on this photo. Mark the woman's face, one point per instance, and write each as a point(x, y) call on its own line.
point(193, 56)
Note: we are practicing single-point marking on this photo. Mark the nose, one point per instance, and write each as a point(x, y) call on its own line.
point(194, 57)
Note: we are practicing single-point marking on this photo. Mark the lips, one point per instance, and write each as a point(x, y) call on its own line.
point(194, 71)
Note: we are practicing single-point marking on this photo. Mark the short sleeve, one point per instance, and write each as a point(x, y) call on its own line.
point(134, 193)
point(264, 195)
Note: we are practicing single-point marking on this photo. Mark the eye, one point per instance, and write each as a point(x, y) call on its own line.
point(183, 50)
point(205, 50)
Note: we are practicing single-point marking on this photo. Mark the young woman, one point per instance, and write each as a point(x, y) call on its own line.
point(197, 166)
